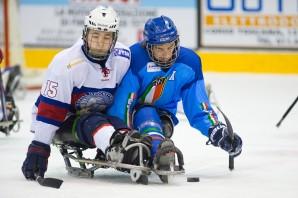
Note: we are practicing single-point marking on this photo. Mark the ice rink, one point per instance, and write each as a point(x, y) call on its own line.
point(267, 167)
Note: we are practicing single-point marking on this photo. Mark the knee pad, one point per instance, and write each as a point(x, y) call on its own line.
point(159, 120)
point(167, 124)
point(147, 120)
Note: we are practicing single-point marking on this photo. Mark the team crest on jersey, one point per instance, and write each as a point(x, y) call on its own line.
point(152, 67)
point(105, 73)
point(94, 101)
point(154, 91)
point(159, 81)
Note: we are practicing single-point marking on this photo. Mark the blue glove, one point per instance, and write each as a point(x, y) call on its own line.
point(218, 136)
point(36, 162)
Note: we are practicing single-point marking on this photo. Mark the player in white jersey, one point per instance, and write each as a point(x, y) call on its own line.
point(78, 87)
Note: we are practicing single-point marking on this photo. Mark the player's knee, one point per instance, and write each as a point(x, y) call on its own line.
point(146, 120)
point(117, 123)
point(87, 124)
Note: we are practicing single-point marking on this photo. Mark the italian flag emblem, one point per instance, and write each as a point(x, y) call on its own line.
point(154, 91)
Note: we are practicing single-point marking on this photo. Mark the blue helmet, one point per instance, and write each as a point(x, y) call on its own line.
point(158, 31)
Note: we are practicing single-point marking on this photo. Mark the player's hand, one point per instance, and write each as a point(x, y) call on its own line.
point(218, 136)
point(36, 162)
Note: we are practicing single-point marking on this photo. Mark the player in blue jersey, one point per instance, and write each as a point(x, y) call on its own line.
point(161, 74)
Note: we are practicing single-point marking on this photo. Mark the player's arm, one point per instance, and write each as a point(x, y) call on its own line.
point(53, 103)
point(197, 107)
point(195, 101)
point(52, 107)
point(201, 116)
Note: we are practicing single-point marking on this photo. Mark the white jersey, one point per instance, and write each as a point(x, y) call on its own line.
point(73, 83)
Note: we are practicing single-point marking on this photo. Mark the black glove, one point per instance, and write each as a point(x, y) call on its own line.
point(218, 136)
point(36, 162)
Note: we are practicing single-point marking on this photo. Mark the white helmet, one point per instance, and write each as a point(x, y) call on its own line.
point(103, 19)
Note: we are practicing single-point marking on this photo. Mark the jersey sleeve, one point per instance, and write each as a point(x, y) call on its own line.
point(197, 107)
point(54, 101)
point(125, 98)
point(195, 102)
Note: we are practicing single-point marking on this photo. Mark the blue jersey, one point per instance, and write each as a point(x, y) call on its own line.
point(147, 83)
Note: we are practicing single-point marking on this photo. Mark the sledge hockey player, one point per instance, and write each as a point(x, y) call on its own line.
point(162, 73)
point(78, 88)
point(9, 114)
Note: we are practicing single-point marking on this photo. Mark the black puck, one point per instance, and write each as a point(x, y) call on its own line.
point(193, 179)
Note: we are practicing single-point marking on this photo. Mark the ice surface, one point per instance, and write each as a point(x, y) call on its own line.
point(268, 166)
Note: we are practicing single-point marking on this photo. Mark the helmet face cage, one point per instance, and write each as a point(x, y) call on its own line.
point(158, 31)
point(102, 19)
point(167, 63)
point(98, 56)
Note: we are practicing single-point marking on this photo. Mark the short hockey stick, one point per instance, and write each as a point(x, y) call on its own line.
point(231, 134)
point(287, 112)
point(229, 125)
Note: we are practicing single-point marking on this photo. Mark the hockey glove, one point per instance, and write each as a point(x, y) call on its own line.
point(218, 136)
point(36, 162)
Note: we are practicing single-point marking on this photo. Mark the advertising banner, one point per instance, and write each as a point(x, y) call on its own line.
point(59, 23)
point(249, 23)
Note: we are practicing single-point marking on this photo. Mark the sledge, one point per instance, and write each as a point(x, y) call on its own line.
point(139, 172)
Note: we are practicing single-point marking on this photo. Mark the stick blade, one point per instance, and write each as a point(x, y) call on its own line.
point(231, 163)
point(49, 182)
